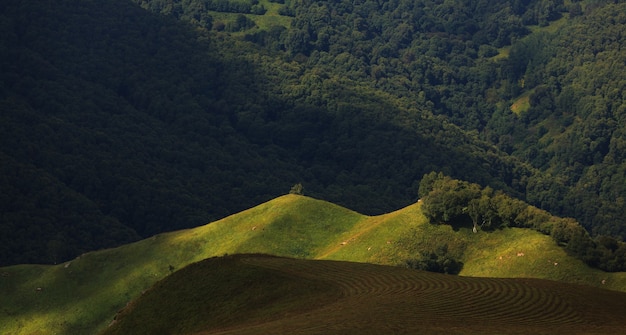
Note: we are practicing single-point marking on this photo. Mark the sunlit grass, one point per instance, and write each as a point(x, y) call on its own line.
point(264, 22)
point(270, 19)
point(375, 240)
point(502, 53)
point(83, 295)
point(522, 103)
point(552, 27)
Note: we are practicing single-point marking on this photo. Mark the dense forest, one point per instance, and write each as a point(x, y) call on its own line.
point(123, 119)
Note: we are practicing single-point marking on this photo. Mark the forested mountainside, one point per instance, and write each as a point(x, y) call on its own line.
point(120, 122)
point(574, 128)
point(539, 79)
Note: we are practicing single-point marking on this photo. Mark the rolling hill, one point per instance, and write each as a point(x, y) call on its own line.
point(82, 295)
point(253, 294)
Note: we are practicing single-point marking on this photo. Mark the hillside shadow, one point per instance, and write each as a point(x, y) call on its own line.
point(163, 127)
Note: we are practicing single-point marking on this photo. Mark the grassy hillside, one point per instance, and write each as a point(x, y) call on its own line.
point(252, 294)
point(83, 295)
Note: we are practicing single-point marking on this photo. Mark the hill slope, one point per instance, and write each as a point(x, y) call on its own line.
point(250, 294)
point(82, 295)
point(118, 111)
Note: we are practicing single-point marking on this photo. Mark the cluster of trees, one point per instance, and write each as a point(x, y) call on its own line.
point(436, 261)
point(451, 201)
point(198, 13)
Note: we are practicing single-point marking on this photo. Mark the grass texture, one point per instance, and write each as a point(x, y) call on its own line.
point(83, 295)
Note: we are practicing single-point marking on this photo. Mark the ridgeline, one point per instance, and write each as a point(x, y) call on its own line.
point(83, 295)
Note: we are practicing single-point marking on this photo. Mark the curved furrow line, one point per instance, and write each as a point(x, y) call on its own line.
point(495, 308)
point(331, 271)
point(553, 309)
point(485, 301)
point(391, 284)
point(388, 300)
point(422, 283)
point(359, 280)
point(526, 302)
point(544, 306)
point(482, 297)
point(532, 306)
point(439, 298)
point(351, 283)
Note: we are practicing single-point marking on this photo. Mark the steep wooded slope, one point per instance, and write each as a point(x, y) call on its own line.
point(124, 124)
point(574, 126)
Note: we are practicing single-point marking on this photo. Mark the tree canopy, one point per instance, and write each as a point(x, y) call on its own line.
point(122, 119)
point(455, 202)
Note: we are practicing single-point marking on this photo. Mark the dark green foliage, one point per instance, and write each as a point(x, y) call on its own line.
point(43, 220)
point(241, 23)
point(103, 125)
point(156, 125)
point(158, 128)
point(436, 261)
point(297, 189)
point(196, 10)
point(572, 128)
point(450, 200)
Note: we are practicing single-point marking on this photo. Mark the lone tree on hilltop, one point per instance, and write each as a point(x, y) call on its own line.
point(297, 189)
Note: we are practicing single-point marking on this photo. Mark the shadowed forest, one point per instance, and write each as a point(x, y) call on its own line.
point(123, 119)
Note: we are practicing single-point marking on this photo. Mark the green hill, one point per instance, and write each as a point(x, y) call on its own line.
point(252, 294)
point(83, 295)
point(123, 119)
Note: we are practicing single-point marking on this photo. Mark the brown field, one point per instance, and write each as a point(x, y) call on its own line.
point(329, 297)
